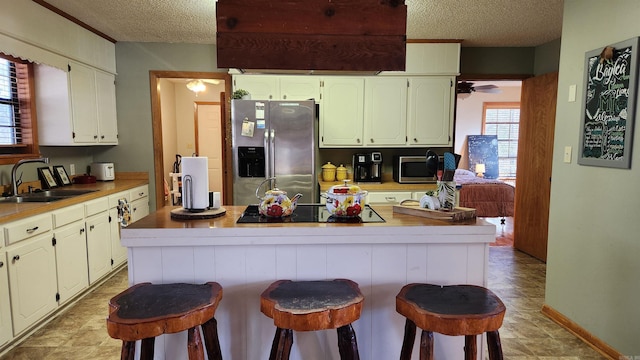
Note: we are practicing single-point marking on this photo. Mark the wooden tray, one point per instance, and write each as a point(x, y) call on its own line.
point(457, 214)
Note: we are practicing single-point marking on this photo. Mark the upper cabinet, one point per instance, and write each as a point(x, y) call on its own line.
point(77, 107)
point(430, 110)
point(342, 112)
point(385, 111)
point(430, 59)
point(274, 87)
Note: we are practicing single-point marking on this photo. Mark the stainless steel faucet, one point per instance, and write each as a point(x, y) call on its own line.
point(15, 182)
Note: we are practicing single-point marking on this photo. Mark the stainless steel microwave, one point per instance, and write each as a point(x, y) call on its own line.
point(412, 170)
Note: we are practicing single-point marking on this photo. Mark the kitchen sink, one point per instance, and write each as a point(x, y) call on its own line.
point(44, 196)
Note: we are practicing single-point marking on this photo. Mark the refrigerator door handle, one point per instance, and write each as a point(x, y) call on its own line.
point(272, 155)
point(267, 164)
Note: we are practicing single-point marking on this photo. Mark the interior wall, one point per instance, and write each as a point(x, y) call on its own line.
point(592, 265)
point(469, 116)
point(169, 126)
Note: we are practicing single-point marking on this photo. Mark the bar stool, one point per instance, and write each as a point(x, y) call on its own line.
point(450, 310)
point(145, 311)
point(311, 306)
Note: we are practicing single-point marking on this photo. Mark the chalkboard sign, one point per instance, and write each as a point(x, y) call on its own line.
point(483, 149)
point(608, 110)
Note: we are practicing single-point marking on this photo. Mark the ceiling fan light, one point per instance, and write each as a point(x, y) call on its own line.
point(196, 86)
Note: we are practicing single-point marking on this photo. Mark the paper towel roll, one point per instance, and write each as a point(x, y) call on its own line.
point(195, 183)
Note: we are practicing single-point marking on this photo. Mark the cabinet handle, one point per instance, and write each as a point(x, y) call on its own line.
point(372, 141)
point(1, 264)
point(102, 137)
point(358, 141)
point(390, 198)
point(91, 227)
point(135, 209)
point(141, 193)
point(29, 231)
point(16, 258)
point(95, 136)
point(415, 140)
point(284, 97)
point(81, 230)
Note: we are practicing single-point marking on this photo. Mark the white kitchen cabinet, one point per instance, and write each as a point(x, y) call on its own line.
point(71, 260)
point(387, 197)
point(98, 232)
point(32, 280)
point(26, 228)
point(300, 88)
point(75, 107)
point(385, 111)
point(261, 87)
point(118, 252)
point(342, 112)
point(139, 202)
point(430, 111)
point(274, 87)
point(6, 329)
point(430, 59)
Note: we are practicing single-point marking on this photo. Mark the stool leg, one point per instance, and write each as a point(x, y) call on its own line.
point(146, 348)
point(194, 344)
point(282, 342)
point(495, 348)
point(409, 339)
point(426, 345)
point(470, 347)
point(347, 343)
point(211, 341)
point(128, 351)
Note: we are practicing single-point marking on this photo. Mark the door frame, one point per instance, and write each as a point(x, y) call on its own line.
point(156, 120)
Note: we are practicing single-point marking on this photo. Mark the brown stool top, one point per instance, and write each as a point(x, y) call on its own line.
point(312, 305)
point(146, 310)
point(451, 310)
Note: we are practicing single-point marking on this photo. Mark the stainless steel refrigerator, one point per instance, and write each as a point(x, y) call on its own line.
point(273, 139)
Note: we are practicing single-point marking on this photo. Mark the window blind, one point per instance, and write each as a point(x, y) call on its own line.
point(10, 129)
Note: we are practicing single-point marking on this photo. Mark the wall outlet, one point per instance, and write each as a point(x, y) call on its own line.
point(72, 169)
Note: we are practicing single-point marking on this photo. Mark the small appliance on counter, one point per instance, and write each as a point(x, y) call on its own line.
point(367, 167)
point(103, 171)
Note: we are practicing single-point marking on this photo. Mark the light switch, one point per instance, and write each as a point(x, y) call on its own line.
point(567, 154)
point(572, 93)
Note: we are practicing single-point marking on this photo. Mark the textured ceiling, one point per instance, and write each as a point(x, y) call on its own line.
point(499, 23)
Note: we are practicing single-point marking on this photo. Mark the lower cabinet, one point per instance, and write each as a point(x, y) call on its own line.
point(32, 281)
point(6, 331)
point(387, 197)
point(118, 252)
point(98, 245)
point(139, 202)
point(71, 260)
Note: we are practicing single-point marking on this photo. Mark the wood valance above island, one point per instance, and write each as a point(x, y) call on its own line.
point(246, 258)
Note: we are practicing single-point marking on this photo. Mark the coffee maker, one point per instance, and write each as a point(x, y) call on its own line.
point(367, 167)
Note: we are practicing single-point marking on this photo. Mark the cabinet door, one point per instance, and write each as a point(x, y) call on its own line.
point(299, 88)
point(385, 111)
point(430, 115)
point(261, 87)
point(6, 331)
point(139, 209)
point(342, 111)
point(83, 103)
point(106, 107)
point(71, 260)
point(118, 252)
point(32, 281)
point(98, 246)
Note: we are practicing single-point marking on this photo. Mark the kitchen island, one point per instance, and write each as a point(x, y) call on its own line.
point(246, 258)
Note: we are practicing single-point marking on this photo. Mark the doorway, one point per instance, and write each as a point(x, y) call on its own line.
point(163, 163)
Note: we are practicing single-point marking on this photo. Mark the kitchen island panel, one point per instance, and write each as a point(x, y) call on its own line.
point(246, 259)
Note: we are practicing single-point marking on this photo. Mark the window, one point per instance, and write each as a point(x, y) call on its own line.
point(17, 110)
point(503, 120)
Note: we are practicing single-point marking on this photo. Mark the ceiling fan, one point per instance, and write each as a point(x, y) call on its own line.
point(468, 88)
point(197, 85)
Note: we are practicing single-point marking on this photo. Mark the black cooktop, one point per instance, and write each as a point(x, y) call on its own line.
point(309, 213)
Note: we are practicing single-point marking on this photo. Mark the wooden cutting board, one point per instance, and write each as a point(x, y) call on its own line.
point(457, 214)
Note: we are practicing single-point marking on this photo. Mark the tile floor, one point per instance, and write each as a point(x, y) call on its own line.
point(80, 333)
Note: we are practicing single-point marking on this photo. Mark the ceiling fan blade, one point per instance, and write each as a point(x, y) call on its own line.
point(492, 89)
point(211, 81)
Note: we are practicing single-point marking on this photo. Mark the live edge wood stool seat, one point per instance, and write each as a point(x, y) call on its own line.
point(454, 310)
point(311, 306)
point(147, 310)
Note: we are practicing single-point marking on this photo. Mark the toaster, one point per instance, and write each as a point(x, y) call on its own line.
point(103, 171)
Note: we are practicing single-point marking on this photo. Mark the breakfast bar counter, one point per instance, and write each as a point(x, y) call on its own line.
point(246, 258)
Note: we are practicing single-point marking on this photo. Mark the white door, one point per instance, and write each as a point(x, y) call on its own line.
point(209, 142)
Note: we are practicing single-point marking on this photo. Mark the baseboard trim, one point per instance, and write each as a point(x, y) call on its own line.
point(591, 340)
